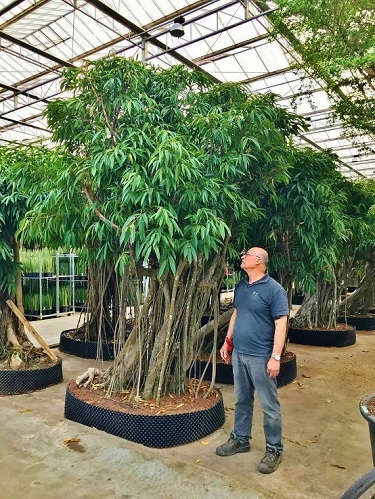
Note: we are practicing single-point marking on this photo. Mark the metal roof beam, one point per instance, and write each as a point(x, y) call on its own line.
point(42, 53)
point(9, 7)
point(213, 33)
point(221, 53)
point(23, 123)
point(20, 15)
point(136, 29)
point(264, 76)
point(342, 163)
point(17, 91)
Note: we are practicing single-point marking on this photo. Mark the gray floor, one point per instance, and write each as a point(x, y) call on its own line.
point(50, 329)
point(326, 440)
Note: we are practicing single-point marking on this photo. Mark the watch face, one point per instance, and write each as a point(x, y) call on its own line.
point(276, 357)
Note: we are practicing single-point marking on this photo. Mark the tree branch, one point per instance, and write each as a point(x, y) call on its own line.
point(96, 211)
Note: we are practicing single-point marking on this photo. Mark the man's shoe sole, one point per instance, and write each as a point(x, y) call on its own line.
point(237, 451)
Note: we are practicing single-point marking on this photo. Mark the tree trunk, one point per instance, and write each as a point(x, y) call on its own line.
point(363, 297)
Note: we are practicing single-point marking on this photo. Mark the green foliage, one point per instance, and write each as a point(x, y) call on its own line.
point(13, 206)
point(306, 228)
point(336, 39)
point(166, 156)
point(64, 295)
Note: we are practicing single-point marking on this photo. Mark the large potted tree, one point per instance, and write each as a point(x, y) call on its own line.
point(23, 367)
point(357, 259)
point(305, 231)
point(168, 165)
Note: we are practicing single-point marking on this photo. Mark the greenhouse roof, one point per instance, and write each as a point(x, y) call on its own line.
point(229, 40)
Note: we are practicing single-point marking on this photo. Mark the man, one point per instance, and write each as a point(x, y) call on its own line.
point(256, 333)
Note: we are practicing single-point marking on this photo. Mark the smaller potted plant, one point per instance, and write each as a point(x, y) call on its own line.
point(64, 299)
point(367, 409)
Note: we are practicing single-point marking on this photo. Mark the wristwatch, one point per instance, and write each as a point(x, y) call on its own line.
point(276, 357)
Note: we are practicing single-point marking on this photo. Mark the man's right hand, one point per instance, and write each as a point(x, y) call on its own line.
point(225, 353)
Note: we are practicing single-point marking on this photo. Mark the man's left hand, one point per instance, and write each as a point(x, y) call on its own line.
point(273, 367)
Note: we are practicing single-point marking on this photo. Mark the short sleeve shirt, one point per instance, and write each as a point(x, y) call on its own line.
point(257, 305)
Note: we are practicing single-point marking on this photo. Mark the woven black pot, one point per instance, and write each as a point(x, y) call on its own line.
point(323, 337)
point(370, 420)
point(29, 380)
point(360, 323)
point(224, 372)
point(159, 431)
point(86, 349)
point(297, 299)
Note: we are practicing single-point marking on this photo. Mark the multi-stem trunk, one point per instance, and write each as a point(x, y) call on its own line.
point(167, 332)
point(362, 300)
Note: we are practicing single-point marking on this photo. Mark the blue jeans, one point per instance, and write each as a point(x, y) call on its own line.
point(250, 374)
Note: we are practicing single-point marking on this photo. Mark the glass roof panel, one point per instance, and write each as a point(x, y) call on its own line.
point(227, 39)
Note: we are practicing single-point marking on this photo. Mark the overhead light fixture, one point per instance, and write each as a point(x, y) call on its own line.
point(177, 29)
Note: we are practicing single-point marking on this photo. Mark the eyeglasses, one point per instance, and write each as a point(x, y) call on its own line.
point(250, 254)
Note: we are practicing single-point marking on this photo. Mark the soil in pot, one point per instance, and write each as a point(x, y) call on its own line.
point(169, 404)
point(371, 406)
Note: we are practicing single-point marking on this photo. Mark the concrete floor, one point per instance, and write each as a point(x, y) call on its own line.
point(326, 440)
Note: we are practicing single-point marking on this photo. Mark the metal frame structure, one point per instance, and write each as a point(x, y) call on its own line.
point(229, 40)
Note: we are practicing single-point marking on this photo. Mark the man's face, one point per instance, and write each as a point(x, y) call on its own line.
point(250, 259)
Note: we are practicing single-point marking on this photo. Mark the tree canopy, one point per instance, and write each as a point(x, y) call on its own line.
point(160, 168)
point(336, 39)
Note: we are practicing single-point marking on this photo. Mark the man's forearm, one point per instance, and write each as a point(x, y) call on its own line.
point(280, 334)
point(231, 324)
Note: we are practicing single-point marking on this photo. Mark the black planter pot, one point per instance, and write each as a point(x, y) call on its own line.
point(31, 274)
point(297, 299)
point(323, 337)
point(80, 306)
point(86, 349)
point(29, 380)
point(224, 372)
point(159, 431)
point(360, 323)
point(370, 420)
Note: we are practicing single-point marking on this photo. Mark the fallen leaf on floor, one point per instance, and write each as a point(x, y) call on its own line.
point(335, 357)
point(365, 350)
point(25, 410)
point(69, 440)
point(305, 376)
point(295, 442)
point(328, 401)
point(197, 461)
point(302, 365)
point(204, 442)
point(337, 466)
point(311, 441)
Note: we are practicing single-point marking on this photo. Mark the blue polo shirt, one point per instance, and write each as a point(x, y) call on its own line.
point(257, 305)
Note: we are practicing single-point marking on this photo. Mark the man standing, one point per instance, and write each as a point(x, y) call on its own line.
point(256, 334)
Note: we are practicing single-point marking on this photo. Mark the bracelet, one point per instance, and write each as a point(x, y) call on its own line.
point(228, 341)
